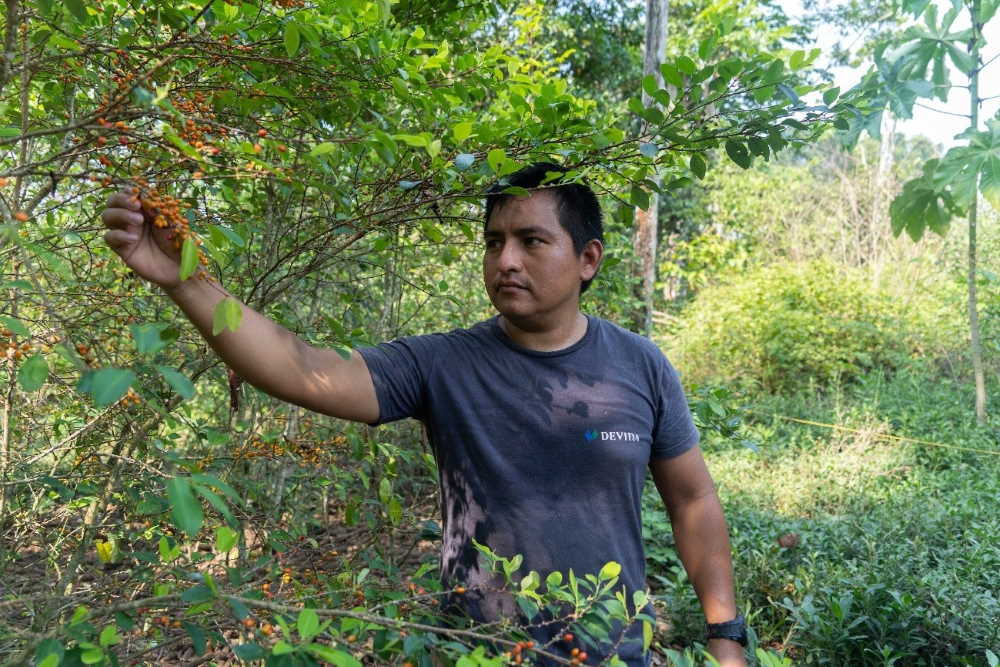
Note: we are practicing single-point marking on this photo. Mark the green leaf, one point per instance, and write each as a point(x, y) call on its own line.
point(185, 510)
point(107, 385)
point(228, 315)
point(307, 623)
point(333, 656)
point(639, 197)
point(647, 149)
point(292, 39)
point(198, 593)
point(78, 10)
point(697, 165)
point(248, 652)
point(989, 181)
point(189, 258)
point(282, 648)
point(738, 153)
point(323, 149)
point(177, 381)
point(464, 160)
point(15, 325)
point(51, 660)
point(197, 635)
point(92, 656)
point(215, 501)
point(495, 158)
point(9, 132)
point(33, 373)
point(148, 337)
point(610, 570)
point(830, 95)
point(685, 65)
point(415, 140)
point(649, 84)
point(962, 59)
point(433, 148)
point(225, 539)
point(109, 636)
point(647, 635)
point(462, 131)
point(671, 75)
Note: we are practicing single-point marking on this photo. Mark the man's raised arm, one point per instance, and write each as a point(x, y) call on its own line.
point(262, 352)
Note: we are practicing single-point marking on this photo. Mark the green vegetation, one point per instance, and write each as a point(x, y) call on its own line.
point(325, 161)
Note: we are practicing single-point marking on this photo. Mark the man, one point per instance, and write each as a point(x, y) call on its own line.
point(543, 420)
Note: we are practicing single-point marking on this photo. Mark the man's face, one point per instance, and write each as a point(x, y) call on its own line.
point(531, 271)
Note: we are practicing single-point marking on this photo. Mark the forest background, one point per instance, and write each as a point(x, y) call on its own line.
point(325, 162)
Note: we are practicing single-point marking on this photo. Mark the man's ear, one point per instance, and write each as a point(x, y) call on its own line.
point(590, 259)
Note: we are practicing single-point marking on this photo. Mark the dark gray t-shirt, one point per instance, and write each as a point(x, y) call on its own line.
point(542, 454)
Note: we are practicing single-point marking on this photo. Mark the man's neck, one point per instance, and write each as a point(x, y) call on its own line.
point(547, 339)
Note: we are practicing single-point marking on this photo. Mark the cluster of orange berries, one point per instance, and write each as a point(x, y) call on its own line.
point(192, 132)
point(308, 452)
point(168, 215)
point(84, 352)
point(517, 653)
point(290, 4)
point(10, 349)
point(131, 398)
point(20, 216)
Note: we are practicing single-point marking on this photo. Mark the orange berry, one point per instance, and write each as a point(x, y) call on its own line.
point(197, 175)
point(568, 637)
point(249, 622)
point(575, 652)
point(101, 141)
point(257, 148)
point(460, 589)
point(582, 656)
point(261, 132)
point(21, 215)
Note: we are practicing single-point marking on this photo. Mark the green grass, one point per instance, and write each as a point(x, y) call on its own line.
point(898, 548)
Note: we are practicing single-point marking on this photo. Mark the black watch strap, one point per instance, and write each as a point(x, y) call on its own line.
point(735, 630)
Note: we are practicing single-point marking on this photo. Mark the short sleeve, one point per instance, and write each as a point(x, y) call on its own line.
point(674, 432)
point(399, 371)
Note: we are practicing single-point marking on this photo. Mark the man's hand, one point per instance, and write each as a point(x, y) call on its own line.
point(146, 249)
point(727, 652)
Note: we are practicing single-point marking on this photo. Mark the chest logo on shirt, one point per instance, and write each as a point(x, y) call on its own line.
point(592, 434)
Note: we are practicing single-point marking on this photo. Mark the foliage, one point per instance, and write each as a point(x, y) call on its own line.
point(851, 547)
point(324, 161)
point(788, 326)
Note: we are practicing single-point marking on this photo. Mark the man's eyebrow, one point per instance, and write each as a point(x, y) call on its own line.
point(523, 231)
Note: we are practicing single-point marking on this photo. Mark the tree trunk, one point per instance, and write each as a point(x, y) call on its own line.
point(646, 223)
point(977, 346)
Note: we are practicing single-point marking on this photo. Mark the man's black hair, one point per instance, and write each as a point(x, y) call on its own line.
point(578, 209)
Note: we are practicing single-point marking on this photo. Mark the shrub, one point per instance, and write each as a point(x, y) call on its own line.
point(787, 325)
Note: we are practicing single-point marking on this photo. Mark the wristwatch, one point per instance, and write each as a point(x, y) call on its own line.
point(735, 630)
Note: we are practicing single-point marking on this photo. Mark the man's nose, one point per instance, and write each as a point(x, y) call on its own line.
point(510, 258)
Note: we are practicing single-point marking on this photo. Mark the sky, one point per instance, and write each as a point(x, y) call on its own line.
point(939, 127)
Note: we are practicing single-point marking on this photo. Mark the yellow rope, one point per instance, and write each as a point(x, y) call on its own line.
point(880, 435)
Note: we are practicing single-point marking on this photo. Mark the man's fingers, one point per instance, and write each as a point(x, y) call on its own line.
point(124, 199)
point(121, 218)
point(119, 239)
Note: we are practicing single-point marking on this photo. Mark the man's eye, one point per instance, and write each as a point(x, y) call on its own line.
point(532, 240)
point(492, 245)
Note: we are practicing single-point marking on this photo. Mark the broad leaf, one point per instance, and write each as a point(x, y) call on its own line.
point(189, 258)
point(227, 315)
point(177, 381)
point(185, 510)
point(33, 373)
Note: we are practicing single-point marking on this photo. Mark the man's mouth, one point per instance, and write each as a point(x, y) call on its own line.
point(510, 286)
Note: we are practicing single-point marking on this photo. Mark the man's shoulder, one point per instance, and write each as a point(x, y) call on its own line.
point(621, 338)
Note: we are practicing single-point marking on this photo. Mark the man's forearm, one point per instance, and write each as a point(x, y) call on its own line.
point(262, 352)
point(703, 545)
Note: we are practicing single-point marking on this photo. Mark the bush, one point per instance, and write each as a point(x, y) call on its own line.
point(788, 325)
